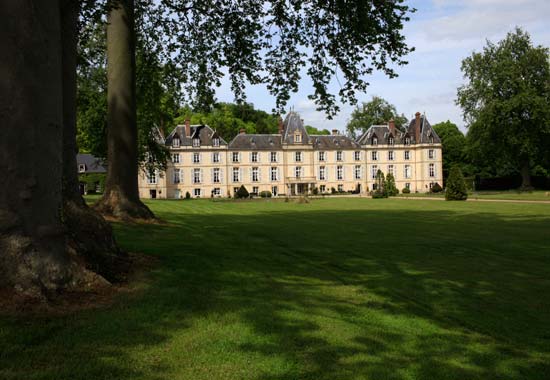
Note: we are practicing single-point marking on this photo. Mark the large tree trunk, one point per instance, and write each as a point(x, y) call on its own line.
point(34, 258)
point(88, 233)
point(121, 196)
point(525, 175)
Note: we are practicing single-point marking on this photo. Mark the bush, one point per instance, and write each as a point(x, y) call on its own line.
point(242, 193)
point(406, 190)
point(391, 189)
point(265, 194)
point(315, 191)
point(381, 191)
point(332, 190)
point(436, 188)
point(456, 187)
point(187, 195)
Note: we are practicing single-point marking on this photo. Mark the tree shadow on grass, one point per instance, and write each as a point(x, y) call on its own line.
point(316, 294)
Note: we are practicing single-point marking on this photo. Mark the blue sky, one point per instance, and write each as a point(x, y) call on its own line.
point(443, 32)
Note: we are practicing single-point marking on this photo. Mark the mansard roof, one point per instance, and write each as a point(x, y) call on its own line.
point(256, 142)
point(382, 133)
point(333, 142)
point(203, 132)
point(293, 123)
point(425, 129)
point(91, 163)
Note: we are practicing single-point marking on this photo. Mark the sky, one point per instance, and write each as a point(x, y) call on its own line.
point(443, 32)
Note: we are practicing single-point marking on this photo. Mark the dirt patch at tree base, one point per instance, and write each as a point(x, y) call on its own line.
point(13, 303)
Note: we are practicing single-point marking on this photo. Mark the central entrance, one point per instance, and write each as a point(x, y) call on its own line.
point(300, 186)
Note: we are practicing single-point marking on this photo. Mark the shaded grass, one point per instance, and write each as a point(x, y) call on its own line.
point(513, 195)
point(334, 289)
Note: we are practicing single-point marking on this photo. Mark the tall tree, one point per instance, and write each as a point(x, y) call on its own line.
point(375, 112)
point(506, 101)
point(121, 197)
point(454, 145)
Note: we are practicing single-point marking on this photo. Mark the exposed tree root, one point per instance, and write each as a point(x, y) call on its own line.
point(116, 205)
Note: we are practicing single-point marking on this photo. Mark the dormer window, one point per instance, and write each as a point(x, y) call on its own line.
point(215, 141)
point(297, 137)
point(196, 142)
point(431, 139)
point(81, 168)
point(176, 142)
point(407, 140)
point(390, 140)
point(374, 140)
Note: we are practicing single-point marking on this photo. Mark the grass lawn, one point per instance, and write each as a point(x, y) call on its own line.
point(537, 195)
point(345, 288)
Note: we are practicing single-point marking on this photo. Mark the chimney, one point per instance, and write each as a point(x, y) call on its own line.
point(242, 131)
point(417, 128)
point(335, 132)
point(187, 127)
point(391, 125)
point(280, 125)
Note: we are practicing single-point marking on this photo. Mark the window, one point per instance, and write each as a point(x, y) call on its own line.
point(176, 142)
point(431, 139)
point(374, 140)
point(176, 158)
point(407, 171)
point(273, 156)
point(390, 170)
point(196, 143)
point(357, 156)
point(176, 175)
point(274, 172)
point(81, 168)
point(322, 188)
point(254, 157)
point(215, 157)
point(196, 158)
point(216, 192)
point(298, 171)
point(407, 140)
point(274, 190)
point(197, 192)
point(321, 156)
point(390, 155)
point(408, 185)
point(236, 175)
point(152, 177)
point(339, 172)
point(216, 141)
point(235, 156)
point(297, 137)
point(374, 155)
point(322, 173)
point(407, 155)
point(340, 188)
point(216, 175)
point(196, 176)
point(235, 189)
point(255, 174)
point(357, 171)
point(432, 185)
point(390, 140)
point(298, 156)
point(255, 190)
point(339, 155)
point(374, 170)
point(431, 154)
point(431, 170)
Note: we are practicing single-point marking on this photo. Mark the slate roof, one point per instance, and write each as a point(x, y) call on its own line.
point(92, 163)
point(425, 131)
point(256, 142)
point(332, 142)
point(382, 132)
point(203, 132)
point(294, 123)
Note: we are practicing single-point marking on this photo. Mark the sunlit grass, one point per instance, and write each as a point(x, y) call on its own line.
point(335, 289)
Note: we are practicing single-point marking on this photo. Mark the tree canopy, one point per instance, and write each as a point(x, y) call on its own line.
point(453, 142)
point(506, 102)
point(375, 112)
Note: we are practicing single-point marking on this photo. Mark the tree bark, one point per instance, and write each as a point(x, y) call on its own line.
point(121, 196)
point(34, 258)
point(525, 175)
point(88, 233)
